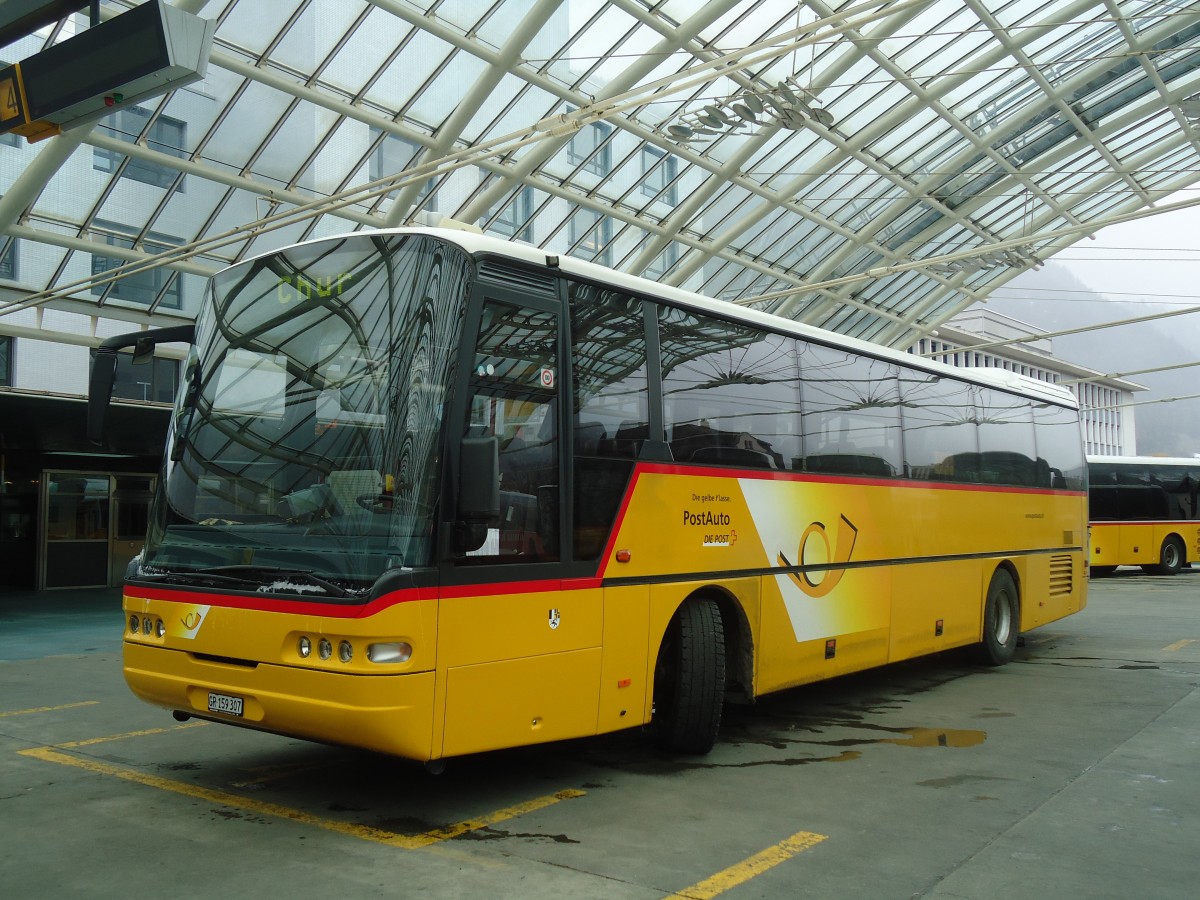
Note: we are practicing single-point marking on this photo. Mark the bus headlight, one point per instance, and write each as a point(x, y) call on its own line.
point(324, 648)
point(397, 652)
point(304, 648)
point(345, 651)
point(147, 624)
point(135, 624)
point(160, 627)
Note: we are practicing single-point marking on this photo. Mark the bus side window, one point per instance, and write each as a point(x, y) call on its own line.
point(851, 421)
point(514, 396)
point(611, 407)
point(941, 440)
point(733, 398)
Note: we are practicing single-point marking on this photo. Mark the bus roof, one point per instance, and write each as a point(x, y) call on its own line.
point(1192, 461)
point(476, 243)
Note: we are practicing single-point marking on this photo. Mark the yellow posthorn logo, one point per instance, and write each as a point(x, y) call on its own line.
point(839, 553)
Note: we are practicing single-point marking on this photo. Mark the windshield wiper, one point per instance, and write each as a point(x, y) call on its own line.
point(246, 572)
point(244, 576)
point(194, 574)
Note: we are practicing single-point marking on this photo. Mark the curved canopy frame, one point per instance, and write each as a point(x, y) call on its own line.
point(868, 167)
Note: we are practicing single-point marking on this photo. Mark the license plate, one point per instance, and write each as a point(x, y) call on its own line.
point(224, 704)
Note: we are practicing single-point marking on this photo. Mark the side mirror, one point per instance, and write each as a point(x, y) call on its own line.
point(479, 480)
point(104, 369)
point(100, 386)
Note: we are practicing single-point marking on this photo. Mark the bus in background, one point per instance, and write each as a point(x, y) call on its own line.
point(431, 493)
point(1143, 512)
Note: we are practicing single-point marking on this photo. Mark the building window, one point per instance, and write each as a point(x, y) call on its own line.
point(659, 170)
point(589, 146)
point(8, 259)
point(590, 235)
point(6, 360)
point(395, 155)
point(166, 135)
point(662, 263)
point(143, 286)
point(513, 220)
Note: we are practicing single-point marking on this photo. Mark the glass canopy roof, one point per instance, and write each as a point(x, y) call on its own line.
point(867, 167)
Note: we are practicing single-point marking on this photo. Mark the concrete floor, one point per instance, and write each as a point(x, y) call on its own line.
point(1069, 773)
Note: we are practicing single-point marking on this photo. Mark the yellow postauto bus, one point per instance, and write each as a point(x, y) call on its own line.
point(432, 493)
point(1144, 511)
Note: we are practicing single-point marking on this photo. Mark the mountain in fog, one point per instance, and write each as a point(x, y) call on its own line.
point(1054, 299)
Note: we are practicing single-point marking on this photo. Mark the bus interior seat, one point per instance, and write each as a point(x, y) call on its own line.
point(588, 436)
point(733, 456)
point(849, 464)
point(350, 484)
point(627, 442)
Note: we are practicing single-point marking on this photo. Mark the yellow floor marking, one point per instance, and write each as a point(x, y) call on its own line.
point(41, 709)
point(70, 745)
point(363, 832)
point(749, 868)
point(1179, 645)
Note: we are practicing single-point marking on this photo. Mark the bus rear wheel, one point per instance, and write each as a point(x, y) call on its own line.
point(1001, 620)
point(689, 679)
point(1170, 556)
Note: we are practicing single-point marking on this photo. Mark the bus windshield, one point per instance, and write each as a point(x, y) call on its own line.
point(304, 456)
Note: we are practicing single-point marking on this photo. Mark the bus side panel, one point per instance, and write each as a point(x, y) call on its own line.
point(933, 594)
point(519, 667)
point(1105, 542)
point(1191, 540)
point(526, 620)
point(781, 659)
point(521, 701)
point(1051, 587)
point(626, 681)
point(794, 645)
point(1137, 546)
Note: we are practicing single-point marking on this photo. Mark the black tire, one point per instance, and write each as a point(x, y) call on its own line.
point(689, 679)
point(1001, 620)
point(1171, 556)
point(1102, 571)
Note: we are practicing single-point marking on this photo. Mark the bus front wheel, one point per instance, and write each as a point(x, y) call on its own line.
point(1171, 556)
point(689, 679)
point(1001, 620)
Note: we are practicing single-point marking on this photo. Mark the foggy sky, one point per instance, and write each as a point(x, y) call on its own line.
point(1136, 269)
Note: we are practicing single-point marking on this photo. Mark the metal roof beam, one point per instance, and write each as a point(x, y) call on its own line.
point(451, 130)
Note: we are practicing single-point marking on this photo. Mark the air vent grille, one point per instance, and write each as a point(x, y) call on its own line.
point(1062, 575)
point(527, 281)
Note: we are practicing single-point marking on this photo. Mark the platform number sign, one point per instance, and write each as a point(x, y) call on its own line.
point(12, 110)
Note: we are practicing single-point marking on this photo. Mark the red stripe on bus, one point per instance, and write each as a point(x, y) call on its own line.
point(822, 478)
point(1183, 523)
point(343, 611)
point(274, 604)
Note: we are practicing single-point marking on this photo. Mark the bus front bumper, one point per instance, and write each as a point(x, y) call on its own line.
point(387, 713)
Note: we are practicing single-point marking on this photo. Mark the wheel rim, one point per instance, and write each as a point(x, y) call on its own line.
point(1002, 620)
point(1171, 555)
